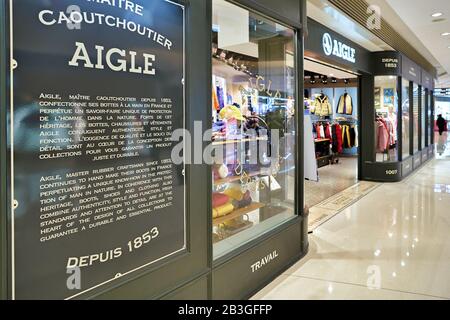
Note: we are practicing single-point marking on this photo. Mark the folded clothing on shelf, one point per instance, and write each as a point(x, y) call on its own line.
point(230, 200)
point(223, 210)
point(244, 202)
point(219, 199)
point(234, 193)
point(240, 200)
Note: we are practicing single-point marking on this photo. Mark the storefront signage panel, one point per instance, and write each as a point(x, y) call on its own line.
point(387, 63)
point(338, 49)
point(98, 90)
point(411, 70)
point(427, 80)
point(324, 44)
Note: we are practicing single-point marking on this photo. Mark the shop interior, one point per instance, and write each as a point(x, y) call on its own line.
point(386, 119)
point(253, 126)
point(331, 131)
point(442, 107)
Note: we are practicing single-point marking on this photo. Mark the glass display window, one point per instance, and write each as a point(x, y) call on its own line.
point(386, 119)
point(406, 152)
point(416, 123)
point(430, 118)
point(254, 127)
point(423, 117)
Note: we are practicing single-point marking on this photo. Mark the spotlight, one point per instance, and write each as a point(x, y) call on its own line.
point(325, 80)
point(346, 81)
point(333, 80)
point(312, 80)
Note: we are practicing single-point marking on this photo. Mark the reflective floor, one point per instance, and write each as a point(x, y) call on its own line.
point(332, 180)
point(392, 244)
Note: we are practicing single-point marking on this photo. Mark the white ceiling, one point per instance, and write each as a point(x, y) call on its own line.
point(323, 12)
point(412, 19)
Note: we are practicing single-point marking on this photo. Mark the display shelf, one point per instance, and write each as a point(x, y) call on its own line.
point(223, 142)
point(238, 213)
point(223, 67)
point(237, 178)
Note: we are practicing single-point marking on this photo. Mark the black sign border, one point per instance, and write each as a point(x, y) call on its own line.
point(12, 202)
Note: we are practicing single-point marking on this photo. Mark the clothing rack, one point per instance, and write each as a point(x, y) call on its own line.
point(324, 145)
point(355, 122)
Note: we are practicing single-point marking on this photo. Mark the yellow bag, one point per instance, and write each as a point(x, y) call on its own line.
point(223, 210)
point(234, 193)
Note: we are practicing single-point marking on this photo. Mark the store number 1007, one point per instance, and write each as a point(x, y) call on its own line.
point(143, 240)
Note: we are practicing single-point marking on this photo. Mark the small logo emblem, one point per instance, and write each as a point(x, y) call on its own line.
point(327, 43)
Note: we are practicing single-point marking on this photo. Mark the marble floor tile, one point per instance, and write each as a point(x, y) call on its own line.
point(298, 288)
point(396, 238)
point(333, 179)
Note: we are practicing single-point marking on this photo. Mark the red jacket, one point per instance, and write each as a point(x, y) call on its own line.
point(338, 137)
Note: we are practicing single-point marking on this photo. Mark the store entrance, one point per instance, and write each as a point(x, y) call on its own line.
point(331, 131)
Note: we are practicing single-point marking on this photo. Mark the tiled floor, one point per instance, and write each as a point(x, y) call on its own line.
point(333, 179)
point(392, 244)
point(327, 209)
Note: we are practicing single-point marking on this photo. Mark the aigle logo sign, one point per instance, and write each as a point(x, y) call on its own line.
point(338, 49)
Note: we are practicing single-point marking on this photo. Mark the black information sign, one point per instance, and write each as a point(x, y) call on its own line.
point(98, 90)
point(427, 80)
point(411, 71)
point(387, 63)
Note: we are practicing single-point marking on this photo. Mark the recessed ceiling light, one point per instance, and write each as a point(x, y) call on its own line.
point(437, 14)
point(445, 34)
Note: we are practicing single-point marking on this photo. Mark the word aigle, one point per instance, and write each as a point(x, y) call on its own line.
point(116, 60)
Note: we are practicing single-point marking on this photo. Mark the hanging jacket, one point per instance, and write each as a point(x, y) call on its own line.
point(334, 142)
point(352, 137)
point(328, 134)
point(319, 131)
point(382, 134)
point(347, 137)
point(322, 106)
point(391, 130)
point(393, 120)
point(345, 105)
point(220, 97)
point(356, 136)
point(322, 132)
point(337, 138)
point(216, 105)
